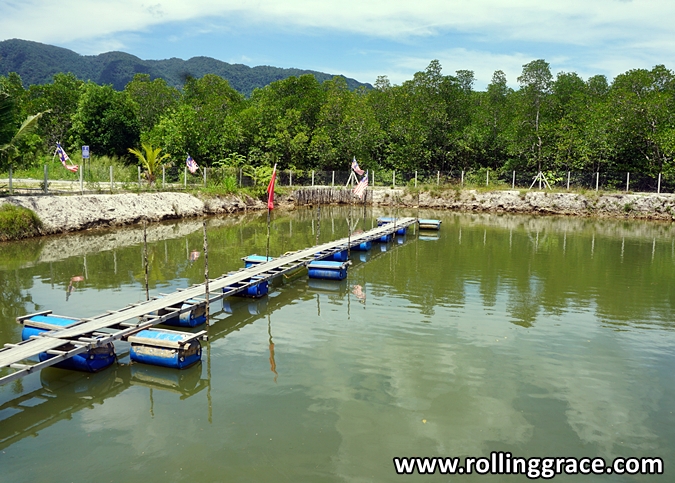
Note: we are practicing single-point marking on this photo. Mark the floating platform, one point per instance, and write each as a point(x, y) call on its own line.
point(327, 270)
point(166, 348)
point(189, 314)
point(362, 247)
point(253, 260)
point(73, 336)
point(429, 224)
point(92, 360)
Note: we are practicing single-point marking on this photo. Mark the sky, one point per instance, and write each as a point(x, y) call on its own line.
point(360, 39)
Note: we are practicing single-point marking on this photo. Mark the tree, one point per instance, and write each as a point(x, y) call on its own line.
point(11, 150)
point(105, 120)
point(535, 82)
point(151, 99)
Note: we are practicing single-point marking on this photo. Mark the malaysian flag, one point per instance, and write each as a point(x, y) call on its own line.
point(270, 189)
point(64, 157)
point(355, 167)
point(360, 188)
point(192, 165)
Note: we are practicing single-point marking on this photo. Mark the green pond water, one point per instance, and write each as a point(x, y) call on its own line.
point(550, 337)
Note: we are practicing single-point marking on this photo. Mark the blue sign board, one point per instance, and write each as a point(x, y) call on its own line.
point(85, 152)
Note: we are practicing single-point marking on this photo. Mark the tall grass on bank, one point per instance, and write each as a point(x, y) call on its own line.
point(17, 222)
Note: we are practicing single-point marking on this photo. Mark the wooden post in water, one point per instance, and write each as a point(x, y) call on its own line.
point(145, 259)
point(206, 273)
point(318, 223)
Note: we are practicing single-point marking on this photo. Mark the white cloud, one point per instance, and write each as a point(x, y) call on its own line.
point(575, 21)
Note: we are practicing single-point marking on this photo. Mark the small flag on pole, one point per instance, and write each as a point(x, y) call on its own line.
point(355, 167)
point(270, 189)
point(360, 188)
point(64, 157)
point(192, 165)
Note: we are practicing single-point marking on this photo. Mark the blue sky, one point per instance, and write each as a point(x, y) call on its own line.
point(363, 39)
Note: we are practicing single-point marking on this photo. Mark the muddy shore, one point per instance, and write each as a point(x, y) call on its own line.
point(61, 214)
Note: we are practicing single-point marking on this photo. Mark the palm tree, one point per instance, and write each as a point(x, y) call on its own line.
point(10, 150)
point(151, 160)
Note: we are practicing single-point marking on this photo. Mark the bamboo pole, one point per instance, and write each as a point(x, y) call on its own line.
point(145, 259)
point(206, 273)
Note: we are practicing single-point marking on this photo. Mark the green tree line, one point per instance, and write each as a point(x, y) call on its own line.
point(431, 122)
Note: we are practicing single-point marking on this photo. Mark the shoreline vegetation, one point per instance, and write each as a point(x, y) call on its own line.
point(30, 216)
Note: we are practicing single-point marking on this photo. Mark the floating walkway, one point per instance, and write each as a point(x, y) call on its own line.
point(88, 334)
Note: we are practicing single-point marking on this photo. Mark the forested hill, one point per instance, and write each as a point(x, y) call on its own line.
point(36, 63)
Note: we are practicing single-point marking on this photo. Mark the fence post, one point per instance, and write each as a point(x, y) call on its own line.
point(658, 188)
point(487, 177)
point(290, 177)
point(10, 180)
point(139, 177)
point(627, 181)
point(204, 176)
point(163, 176)
point(81, 180)
point(46, 180)
point(568, 181)
point(185, 178)
point(415, 179)
point(312, 178)
point(462, 177)
point(373, 178)
point(112, 184)
point(597, 180)
point(240, 177)
point(393, 178)
point(513, 183)
point(438, 178)
point(332, 183)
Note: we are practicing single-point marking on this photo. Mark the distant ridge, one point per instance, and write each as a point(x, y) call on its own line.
point(36, 63)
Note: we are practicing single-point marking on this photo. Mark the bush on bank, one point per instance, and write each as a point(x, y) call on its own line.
point(17, 222)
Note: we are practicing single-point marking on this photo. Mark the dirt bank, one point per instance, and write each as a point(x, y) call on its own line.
point(642, 206)
point(60, 214)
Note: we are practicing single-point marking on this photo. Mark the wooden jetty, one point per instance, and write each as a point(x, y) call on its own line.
point(115, 325)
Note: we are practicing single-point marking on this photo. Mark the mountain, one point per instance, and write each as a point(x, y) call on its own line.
point(36, 63)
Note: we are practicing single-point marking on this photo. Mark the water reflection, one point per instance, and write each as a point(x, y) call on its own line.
point(538, 336)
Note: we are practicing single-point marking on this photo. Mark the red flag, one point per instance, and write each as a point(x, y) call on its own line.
point(270, 189)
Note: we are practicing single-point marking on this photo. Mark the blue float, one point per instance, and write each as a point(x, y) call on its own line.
point(256, 290)
point(253, 260)
point(196, 315)
point(383, 220)
point(340, 256)
point(166, 348)
point(92, 360)
point(363, 247)
point(386, 238)
point(327, 270)
point(401, 231)
point(426, 224)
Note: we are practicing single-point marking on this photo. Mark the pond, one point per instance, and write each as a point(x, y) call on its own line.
point(531, 336)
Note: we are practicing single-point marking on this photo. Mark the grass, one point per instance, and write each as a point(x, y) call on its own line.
point(17, 222)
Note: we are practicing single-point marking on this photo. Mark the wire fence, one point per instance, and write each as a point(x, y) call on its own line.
point(101, 179)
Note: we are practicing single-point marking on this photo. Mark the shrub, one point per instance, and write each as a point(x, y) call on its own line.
point(17, 222)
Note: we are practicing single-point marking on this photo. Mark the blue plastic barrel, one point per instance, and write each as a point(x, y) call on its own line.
point(362, 247)
point(92, 360)
point(340, 256)
point(192, 318)
point(253, 260)
point(165, 348)
point(401, 231)
point(386, 238)
point(427, 224)
point(327, 270)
